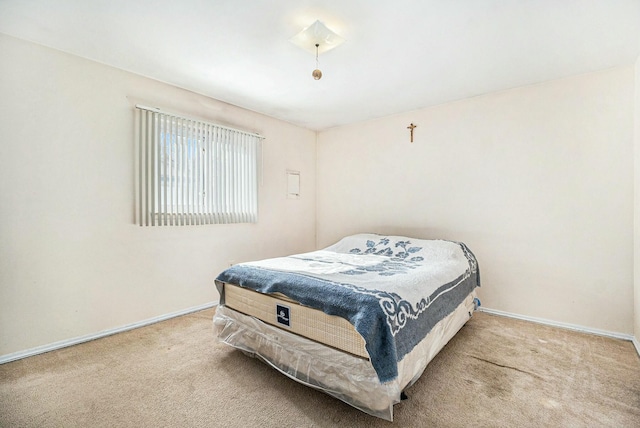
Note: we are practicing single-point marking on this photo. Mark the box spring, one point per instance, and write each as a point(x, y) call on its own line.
point(343, 375)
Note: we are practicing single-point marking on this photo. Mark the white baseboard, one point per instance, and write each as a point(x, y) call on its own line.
point(563, 325)
point(77, 340)
point(637, 345)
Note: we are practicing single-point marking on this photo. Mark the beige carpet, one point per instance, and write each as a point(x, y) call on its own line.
point(497, 372)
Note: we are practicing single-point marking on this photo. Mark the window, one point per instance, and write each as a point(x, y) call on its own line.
point(192, 172)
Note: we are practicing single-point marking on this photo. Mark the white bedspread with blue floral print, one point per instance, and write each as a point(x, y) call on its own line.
point(392, 289)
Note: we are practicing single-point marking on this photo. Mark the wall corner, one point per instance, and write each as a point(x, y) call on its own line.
point(636, 204)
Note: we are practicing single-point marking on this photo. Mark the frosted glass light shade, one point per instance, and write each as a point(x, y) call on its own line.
point(316, 33)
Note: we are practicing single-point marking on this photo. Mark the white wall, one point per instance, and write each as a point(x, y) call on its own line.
point(538, 181)
point(71, 260)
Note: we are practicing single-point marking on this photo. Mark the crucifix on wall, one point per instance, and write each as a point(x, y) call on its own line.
point(411, 128)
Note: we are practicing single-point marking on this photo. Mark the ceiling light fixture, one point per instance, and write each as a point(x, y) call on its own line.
point(317, 36)
point(317, 74)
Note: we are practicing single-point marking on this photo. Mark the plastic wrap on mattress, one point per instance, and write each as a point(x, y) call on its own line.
point(348, 378)
point(344, 376)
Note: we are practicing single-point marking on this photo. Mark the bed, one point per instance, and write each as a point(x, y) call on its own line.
point(359, 320)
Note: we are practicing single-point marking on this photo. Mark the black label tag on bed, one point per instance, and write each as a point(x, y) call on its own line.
point(282, 315)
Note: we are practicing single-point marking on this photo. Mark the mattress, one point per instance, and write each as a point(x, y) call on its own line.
point(311, 323)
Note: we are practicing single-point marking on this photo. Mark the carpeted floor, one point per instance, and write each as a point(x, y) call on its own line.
point(497, 372)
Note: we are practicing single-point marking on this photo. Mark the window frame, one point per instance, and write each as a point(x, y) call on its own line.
point(213, 171)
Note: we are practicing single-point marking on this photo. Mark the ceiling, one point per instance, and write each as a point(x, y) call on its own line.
point(399, 55)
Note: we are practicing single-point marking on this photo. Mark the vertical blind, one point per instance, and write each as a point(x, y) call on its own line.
point(192, 172)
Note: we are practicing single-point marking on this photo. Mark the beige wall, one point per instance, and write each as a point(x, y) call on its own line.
point(538, 181)
point(71, 260)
